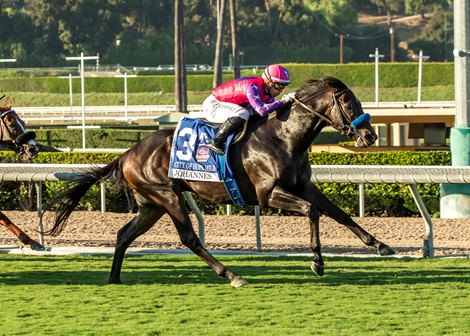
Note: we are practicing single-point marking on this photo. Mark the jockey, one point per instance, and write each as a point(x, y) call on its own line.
point(233, 102)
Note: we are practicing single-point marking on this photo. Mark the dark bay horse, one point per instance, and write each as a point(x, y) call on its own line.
point(14, 136)
point(270, 164)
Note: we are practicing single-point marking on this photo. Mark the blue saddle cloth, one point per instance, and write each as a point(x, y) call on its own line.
point(191, 160)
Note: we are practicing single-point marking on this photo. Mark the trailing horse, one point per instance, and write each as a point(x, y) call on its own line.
point(270, 164)
point(14, 136)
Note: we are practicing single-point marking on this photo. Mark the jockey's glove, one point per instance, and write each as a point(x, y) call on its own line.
point(288, 97)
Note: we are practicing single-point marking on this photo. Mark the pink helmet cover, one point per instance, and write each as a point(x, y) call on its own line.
point(276, 73)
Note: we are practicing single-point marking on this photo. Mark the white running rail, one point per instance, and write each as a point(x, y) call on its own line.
point(410, 175)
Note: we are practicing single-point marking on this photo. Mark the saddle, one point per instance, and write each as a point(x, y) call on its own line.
point(190, 159)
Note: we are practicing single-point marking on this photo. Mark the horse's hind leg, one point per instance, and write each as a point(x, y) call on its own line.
point(145, 218)
point(188, 237)
point(23, 237)
point(326, 207)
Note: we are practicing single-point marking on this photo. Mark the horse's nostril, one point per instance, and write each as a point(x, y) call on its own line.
point(370, 137)
point(31, 151)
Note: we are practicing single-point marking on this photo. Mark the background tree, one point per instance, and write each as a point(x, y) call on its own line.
point(219, 43)
point(180, 62)
point(436, 38)
point(140, 32)
point(15, 33)
point(200, 31)
point(69, 27)
point(421, 6)
point(233, 31)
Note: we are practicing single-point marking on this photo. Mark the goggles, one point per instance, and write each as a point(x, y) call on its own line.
point(279, 86)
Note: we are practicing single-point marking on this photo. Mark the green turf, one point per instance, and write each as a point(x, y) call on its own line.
point(179, 295)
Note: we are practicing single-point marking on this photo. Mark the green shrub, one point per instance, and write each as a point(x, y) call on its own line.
point(95, 138)
point(363, 74)
point(382, 199)
point(391, 75)
point(125, 138)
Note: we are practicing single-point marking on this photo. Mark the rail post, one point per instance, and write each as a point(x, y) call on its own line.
point(258, 228)
point(39, 205)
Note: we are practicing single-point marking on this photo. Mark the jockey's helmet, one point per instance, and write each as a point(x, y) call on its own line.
point(277, 74)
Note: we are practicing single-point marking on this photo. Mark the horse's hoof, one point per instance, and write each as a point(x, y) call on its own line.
point(238, 282)
point(317, 268)
point(37, 247)
point(385, 250)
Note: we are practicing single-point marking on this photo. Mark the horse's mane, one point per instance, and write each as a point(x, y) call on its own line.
point(315, 85)
point(308, 89)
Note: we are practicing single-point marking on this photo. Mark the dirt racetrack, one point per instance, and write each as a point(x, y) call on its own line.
point(278, 233)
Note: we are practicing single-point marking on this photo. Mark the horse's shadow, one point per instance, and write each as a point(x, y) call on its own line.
point(174, 273)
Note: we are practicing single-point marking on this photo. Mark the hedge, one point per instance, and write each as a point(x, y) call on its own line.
point(380, 199)
point(363, 74)
point(354, 74)
point(95, 138)
point(383, 199)
point(125, 138)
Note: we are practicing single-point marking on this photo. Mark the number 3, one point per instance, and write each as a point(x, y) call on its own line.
point(187, 144)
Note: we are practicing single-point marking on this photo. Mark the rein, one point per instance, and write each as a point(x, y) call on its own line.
point(345, 129)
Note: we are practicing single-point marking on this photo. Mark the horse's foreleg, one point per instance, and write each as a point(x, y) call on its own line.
point(23, 237)
point(326, 207)
point(188, 237)
point(282, 199)
point(146, 216)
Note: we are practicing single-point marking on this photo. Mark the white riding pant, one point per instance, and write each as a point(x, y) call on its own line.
point(217, 112)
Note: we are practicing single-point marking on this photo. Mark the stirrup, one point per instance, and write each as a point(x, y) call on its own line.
point(214, 148)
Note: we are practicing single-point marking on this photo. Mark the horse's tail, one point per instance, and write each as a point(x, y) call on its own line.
point(67, 201)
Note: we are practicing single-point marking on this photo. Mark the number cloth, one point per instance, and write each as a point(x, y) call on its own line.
point(190, 159)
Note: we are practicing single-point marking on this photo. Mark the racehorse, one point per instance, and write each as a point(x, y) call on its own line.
point(14, 136)
point(270, 164)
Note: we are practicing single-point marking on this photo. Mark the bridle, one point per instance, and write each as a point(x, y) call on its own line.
point(346, 125)
point(16, 144)
point(4, 126)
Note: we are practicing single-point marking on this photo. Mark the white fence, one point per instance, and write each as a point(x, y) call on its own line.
point(73, 114)
point(385, 113)
point(410, 175)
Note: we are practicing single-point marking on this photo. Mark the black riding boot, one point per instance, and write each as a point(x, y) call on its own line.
point(217, 143)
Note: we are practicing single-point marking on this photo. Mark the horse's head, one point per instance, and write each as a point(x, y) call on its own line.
point(349, 115)
point(14, 135)
point(342, 110)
